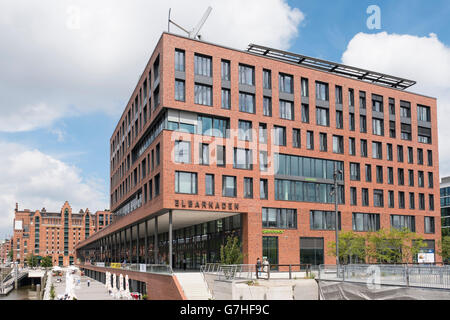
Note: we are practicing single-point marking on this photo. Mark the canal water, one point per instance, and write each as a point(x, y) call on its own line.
point(23, 293)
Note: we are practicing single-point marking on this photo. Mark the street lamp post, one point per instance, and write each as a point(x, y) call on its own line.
point(335, 191)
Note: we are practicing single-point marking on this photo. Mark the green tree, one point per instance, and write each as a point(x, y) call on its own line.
point(32, 260)
point(231, 252)
point(444, 248)
point(46, 262)
point(52, 292)
point(352, 248)
point(10, 255)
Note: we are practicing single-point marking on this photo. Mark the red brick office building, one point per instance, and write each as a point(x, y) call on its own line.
point(216, 141)
point(54, 234)
point(5, 247)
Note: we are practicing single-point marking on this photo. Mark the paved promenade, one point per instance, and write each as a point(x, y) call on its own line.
point(96, 290)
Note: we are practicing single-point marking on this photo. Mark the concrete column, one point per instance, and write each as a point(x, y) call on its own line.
point(170, 238)
point(146, 242)
point(156, 241)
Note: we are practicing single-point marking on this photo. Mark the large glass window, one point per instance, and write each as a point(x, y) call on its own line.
point(312, 251)
point(279, 136)
point(378, 127)
point(248, 188)
point(286, 83)
point(286, 110)
point(401, 222)
point(225, 70)
point(246, 75)
point(338, 144)
point(209, 184)
point(202, 65)
point(423, 113)
point(179, 90)
point(212, 126)
point(179, 60)
point(322, 117)
point(185, 182)
point(267, 106)
point(364, 222)
point(203, 94)
point(270, 249)
point(245, 130)
point(263, 189)
point(321, 91)
point(305, 113)
point(429, 225)
point(246, 102)
point(229, 186)
point(267, 79)
point(226, 99)
point(305, 88)
point(243, 159)
point(324, 220)
point(182, 152)
point(279, 218)
point(204, 154)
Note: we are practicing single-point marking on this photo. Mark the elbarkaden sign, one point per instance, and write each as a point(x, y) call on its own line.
point(212, 205)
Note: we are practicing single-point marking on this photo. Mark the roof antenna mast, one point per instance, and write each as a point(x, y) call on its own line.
point(194, 33)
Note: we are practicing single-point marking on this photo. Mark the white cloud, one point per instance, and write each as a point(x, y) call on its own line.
point(423, 59)
point(37, 180)
point(62, 56)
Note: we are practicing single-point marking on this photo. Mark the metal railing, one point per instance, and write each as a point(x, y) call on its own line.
point(250, 272)
point(139, 267)
point(424, 276)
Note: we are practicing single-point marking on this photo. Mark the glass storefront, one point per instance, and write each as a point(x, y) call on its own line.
point(311, 251)
point(270, 250)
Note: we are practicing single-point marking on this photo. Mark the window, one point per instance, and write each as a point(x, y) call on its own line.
point(263, 133)
point(412, 202)
point(365, 222)
point(430, 158)
point(363, 148)
point(305, 89)
point(429, 225)
point(431, 202)
point(401, 200)
point(263, 189)
point(339, 120)
point(420, 179)
point(179, 60)
point(392, 130)
point(267, 79)
point(246, 75)
point(351, 122)
point(365, 197)
point(185, 182)
point(378, 127)
point(323, 142)
point(411, 178)
point(212, 126)
point(248, 188)
point(423, 113)
point(324, 220)
point(203, 95)
point(405, 109)
point(391, 199)
point(225, 70)
point(182, 152)
point(406, 132)
point(362, 100)
point(321, 91)
point(245, 130)
point(296, 138)
point(226, 99)
point(390, 156)
point(420, 156)
point(391, 106)
point(202, 65)
point(424, 135)
point(338, 95)
point(399, 153)
point(221, 156)
point(209, 184)
point(355, 172)
point(390, 175)
point(401, 222)
point(279, 135)
point(279, 218)
point(246, 102)
point(401, 177)
point(368, 173)
point(310, 140)
point(379, 171)
point(377, 152)
point(204, 154)
point(351, 146)
point(351, 97)
point(229, 186)
point(377, 103)
point(263, 164)
point(267, 106)
point(378, 198)
point(353, 196)
point(243, 159)
point(430, 180)
point(286, 110)
point(286, 83)
point(305, 113)
point(322, 117)
point(179, 90)
point(421, 201)
point(338, 144)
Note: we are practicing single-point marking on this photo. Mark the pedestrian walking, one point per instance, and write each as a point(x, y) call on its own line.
point(266, 266)
point(258, 267)
point(184, 264)
point(88, 283)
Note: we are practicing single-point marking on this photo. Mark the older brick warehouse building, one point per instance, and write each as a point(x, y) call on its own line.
point(216, 141)
point(54, 234)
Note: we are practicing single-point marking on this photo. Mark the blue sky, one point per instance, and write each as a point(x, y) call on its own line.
point(66, 85)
